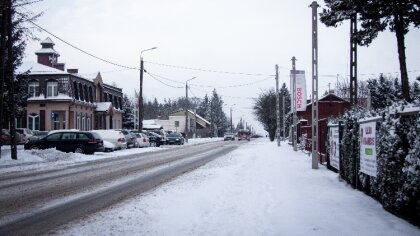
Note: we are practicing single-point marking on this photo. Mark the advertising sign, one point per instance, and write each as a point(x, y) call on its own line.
point(368, 148)
point(334, 148)
point(300, 90)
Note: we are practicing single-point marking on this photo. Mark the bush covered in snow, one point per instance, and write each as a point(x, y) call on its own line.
point(397, 184)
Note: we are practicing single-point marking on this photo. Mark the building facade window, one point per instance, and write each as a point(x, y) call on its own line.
point(56, 121)
point(88, 125)
point(81, 95)
point(52, 89)
point(33, 122)
point(78, 122)
point(85, 89)
point(33, 88)
point(90, 94)
point(83, 123)
point(76, 90)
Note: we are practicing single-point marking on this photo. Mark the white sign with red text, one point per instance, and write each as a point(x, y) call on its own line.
point(300, 90)
point(368, 163)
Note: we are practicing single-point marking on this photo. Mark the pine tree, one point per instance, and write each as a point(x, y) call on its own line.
point(128, 119)
point(284, 92)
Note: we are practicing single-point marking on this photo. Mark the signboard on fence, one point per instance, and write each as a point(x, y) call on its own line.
point(368, 163)
point(334, 148)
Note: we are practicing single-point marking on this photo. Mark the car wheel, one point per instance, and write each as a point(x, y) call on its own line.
point(152, 144)
point(79, 149)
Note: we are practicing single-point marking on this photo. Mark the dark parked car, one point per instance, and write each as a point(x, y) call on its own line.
point(154, 138)
point(175, 138)
point(69, 141)
point(40, 134)
point(163, 135)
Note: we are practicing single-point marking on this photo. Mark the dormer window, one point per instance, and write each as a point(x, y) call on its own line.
point(52, 89)
point(33, 88)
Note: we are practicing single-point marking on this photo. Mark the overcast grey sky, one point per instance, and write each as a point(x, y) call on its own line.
point(245, 36)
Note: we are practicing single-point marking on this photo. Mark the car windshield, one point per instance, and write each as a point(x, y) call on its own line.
point(228, 134)
point(96, 135)
point(174, 135)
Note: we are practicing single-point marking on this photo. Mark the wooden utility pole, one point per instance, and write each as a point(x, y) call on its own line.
point(278, 106)
point(186, 112)
point(141, 108)
point(315, 144)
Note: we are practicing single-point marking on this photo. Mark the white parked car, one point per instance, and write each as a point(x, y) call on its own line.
point(117, 138)
point(142, 140)
point(109, 147)
point(26, 134)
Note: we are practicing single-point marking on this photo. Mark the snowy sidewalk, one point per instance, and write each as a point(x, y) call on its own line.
point(259, 189)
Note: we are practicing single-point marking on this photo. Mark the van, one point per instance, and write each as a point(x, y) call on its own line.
point(115, 137)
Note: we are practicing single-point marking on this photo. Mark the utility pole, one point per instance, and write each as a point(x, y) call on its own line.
point(2, 65)
point(186, 109)
point(353, 60)
point(315, 144)
point(294, 104)
point(231, 124)
point(141, 108)
point(284, 118)
point(277, 107)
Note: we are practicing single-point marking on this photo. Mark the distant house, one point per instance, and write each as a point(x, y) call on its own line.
point(67, 100)
point(329, 106)
point(196, 124)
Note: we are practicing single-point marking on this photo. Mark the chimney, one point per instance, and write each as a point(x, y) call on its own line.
point(73, 71)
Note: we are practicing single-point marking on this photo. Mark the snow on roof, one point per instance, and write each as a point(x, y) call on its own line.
point(103, 106)
point(47, 51)
point(199, 117)
point(149, 122)
point(152, 126)
point(42, 97)
point(369, 119)
point(330, 94)
point(47, 41)
point(38, 69)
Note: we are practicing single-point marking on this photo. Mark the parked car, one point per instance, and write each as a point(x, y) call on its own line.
point(175, 138)
point(115, 137)
point(154, 139)
point(163, 135)
point(69, 141)
point(109, 147)
point(229, 136)
point(130, 137)
point(40, 134)
point(142, 140)
point(5, 137)
point(26, 134)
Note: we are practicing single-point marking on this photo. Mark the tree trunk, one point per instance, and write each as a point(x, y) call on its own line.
point(400, 33)
point(271, 135)
point(2, 61)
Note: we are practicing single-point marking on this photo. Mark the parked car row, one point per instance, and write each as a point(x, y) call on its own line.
point(92, 141)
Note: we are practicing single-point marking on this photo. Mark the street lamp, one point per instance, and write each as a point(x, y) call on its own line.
point(186, 109)
point(141, 110)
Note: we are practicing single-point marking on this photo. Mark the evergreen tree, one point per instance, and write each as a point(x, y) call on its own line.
point(128, 119)
point(217, 115)
point(284, 92)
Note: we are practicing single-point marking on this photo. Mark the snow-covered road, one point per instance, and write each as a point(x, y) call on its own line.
point(258, 189)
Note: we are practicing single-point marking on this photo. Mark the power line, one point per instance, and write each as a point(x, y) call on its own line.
point(206, 70)
point(77, 48)
point(161, 81)
point(230, 86)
